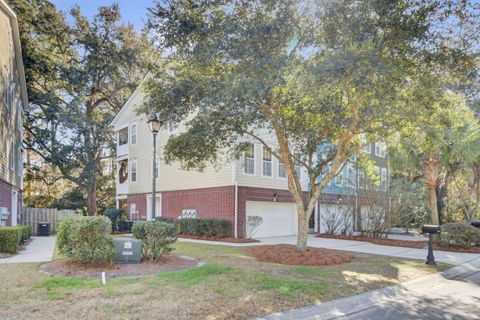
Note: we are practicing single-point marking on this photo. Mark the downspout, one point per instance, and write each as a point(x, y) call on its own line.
point(235, 200)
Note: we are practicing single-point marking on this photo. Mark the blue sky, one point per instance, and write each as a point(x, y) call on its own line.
point(134, 11)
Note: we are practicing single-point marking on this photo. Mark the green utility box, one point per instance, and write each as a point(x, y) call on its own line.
point(127, 250)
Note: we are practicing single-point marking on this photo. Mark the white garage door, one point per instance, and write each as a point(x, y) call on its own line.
point(279, 219)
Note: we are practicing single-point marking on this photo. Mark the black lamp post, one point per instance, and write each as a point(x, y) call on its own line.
point(154, 125)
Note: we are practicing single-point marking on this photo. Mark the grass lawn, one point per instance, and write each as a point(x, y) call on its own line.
point(231, 285)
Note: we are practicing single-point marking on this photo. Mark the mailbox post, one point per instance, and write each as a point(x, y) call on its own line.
point(431, 230)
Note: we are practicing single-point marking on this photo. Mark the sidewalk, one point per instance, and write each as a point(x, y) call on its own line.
point(39, 250)
point(452, 294)
point(453, 258)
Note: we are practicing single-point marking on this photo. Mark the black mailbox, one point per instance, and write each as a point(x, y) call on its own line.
point(476, 224)
point(431, 229)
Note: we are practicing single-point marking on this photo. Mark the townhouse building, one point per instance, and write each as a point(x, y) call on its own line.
point(255, 185)
point(13, 94)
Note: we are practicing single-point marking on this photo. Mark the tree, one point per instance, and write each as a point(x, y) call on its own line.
point(79, 75)
point(314, 75)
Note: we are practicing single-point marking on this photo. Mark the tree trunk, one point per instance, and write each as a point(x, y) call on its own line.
point(302, 227)
point(432, 194)
point(92, 199)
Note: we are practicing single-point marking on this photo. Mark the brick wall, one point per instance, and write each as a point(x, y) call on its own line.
point(209, 202)
point(140, 201)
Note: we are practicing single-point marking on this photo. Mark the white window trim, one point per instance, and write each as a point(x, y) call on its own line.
point(131, 134)
point(361, 175)
point(118, 135)
point(131, 163)
point(271, 164)
point(254, 162)
point(279, 163)
point(367, 147)
point(299, 172)
point(381, 149)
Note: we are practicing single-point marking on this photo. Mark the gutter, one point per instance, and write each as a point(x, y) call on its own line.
point(235, 200)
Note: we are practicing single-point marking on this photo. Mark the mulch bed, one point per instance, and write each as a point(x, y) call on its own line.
point(68, 267)
point(287, 254)
point(401, 243)
point(226, 239)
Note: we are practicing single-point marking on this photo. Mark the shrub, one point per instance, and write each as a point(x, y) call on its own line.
point(459, 234)
point(114, 215)
point(253, 222)
point(11, 237)
point(204, 227)
point(64, 236)
point(91, 241)
point(157, 238)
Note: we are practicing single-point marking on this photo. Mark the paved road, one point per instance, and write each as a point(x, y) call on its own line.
point(40, 249)
point(453, 294)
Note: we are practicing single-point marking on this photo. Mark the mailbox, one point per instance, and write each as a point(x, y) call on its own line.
point(431, 229)
point(127, 250)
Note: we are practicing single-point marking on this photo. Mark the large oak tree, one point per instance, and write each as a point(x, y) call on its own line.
point(314, 74)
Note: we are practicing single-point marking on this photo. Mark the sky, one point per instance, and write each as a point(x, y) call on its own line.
point(134, 11)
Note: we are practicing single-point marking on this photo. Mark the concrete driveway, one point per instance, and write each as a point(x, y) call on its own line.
point(453, 294)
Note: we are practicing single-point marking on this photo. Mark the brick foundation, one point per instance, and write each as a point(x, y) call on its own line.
point(6, 200)
point(140, 201)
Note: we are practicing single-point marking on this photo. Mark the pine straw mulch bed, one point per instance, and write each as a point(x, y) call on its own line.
point(401, 243)
point(225, 239)
point(287, 254)
point(68, 267)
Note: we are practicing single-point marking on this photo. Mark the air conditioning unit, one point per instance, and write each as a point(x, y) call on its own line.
point(3, 213)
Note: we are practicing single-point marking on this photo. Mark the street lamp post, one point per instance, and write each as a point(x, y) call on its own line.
point(154, 125)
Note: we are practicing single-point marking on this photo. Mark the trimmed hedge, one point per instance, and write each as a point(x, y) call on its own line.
point(460, 235)
point(157, 238)
point(204, 227)
point(86, 239)
point(12, 237)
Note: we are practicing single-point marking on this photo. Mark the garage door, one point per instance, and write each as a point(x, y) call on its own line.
point(279, 219)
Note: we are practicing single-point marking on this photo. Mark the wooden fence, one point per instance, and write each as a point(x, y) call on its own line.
point(33, 216)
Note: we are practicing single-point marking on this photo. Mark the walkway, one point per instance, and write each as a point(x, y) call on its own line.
point(454, 258)
point(452, 294)
point(40, 249)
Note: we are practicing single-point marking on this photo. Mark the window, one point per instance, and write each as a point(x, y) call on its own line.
point(380, 149)
point(122, 171)
point(12, 157)
point(133, 171)
point(172, 127)
point(249, 160)
point(133, 134)
point(20, 162)
point(133, 211)
point(367, 145)
point(282, 172)
point(351, 176)
point(298, 170)
point(123, 136)
point(267, 163)
point(384, 179)
point(361, 179)
point(157, 166)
